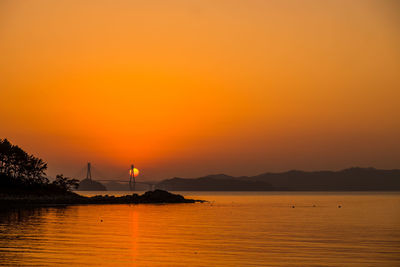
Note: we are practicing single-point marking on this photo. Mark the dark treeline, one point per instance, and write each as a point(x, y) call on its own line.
point(19, 165)
point(25, 173)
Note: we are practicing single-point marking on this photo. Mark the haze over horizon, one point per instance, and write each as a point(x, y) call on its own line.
point(191, 88)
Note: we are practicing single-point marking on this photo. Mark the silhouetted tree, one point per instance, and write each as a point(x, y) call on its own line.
point(66, 183)
point(5, 153)
point(15, 163)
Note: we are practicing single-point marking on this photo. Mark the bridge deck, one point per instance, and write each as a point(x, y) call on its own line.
point(124, 181)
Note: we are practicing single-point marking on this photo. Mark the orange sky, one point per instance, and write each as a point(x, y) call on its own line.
point(189, 88)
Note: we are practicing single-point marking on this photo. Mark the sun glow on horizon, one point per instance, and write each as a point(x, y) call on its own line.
point(135, 172)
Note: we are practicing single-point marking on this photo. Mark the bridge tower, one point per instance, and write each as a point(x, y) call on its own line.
point(132, 181)
point(89, 172)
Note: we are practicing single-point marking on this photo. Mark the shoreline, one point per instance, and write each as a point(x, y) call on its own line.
point(149, 197)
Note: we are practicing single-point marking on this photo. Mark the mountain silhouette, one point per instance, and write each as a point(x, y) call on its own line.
point(352, 179)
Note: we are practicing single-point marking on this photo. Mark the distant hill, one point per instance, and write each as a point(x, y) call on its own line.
point(214, 183)
point(90, 185)
point(352, 179)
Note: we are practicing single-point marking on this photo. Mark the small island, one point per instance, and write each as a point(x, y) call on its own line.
point(23, 181)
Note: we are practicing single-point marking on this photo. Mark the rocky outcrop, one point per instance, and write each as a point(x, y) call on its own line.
point(156, 196)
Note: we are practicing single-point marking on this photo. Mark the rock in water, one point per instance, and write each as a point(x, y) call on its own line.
point(161, 196)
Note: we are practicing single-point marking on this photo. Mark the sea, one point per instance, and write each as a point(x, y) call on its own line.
point(231, 229)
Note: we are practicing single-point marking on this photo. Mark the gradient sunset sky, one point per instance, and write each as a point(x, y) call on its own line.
point(190, 88)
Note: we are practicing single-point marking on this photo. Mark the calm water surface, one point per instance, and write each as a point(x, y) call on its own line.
point(234, 229)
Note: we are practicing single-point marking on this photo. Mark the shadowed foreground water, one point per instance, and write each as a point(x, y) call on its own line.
point(234, 229)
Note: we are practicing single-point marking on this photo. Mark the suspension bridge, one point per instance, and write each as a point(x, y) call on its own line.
point(131, 181)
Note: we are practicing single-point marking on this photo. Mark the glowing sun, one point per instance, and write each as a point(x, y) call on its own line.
point(135, 172)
